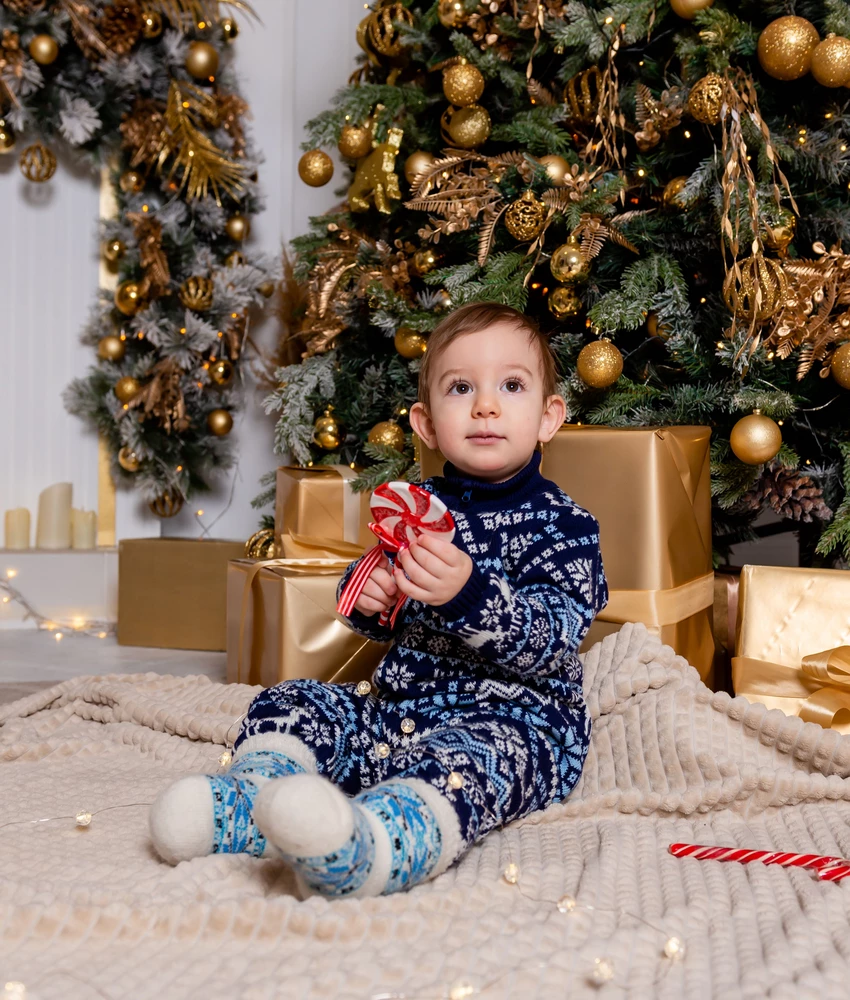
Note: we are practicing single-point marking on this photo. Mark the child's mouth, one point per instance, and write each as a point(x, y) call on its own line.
point(485, 438)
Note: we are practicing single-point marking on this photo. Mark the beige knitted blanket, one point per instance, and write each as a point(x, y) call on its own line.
point(91, 913)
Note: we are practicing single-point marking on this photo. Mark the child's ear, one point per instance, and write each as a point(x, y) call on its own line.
point(423, 425)
point(553, 417)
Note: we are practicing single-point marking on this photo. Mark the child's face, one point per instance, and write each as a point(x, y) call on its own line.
point(487, 411)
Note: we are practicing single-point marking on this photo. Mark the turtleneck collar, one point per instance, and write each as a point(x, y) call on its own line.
point(472, 492)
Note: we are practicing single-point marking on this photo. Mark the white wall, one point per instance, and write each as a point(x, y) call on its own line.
point(289, 67)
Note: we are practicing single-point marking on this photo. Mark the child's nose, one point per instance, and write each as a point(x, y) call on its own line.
point(485, 405)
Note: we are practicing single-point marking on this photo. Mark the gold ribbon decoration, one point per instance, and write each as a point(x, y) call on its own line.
point(657, 608)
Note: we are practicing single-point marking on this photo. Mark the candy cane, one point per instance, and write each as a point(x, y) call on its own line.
point(744, 856)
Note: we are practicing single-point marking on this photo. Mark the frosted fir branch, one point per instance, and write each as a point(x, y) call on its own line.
point(300, 386)
point(30, 80)
point(772, 403)
point(172, 216)
point(157, 328)
point(209, 215)
point(453, 278)
point(78, 120)
point(174, 45)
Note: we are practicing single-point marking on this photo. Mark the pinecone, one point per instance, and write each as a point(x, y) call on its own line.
point(24, 7)
point(120, 26)
point(791, 493)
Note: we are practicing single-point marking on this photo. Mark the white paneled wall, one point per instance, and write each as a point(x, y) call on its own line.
point(289, 67)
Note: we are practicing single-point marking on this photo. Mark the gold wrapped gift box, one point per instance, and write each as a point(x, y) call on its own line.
point(649, 490)
point(790, 653)
point(319, 502)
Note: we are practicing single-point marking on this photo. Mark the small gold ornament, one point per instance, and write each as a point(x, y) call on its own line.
point(221, 372)
point(363, 688)
point(672, 192)
point(83, 818)
point(354, 141)
point(599, 364)
point(131, 182)
point(581, 95)
point(266, 289)
point(384, 37)
point(839, 366)
point(126, 388)
point(260, 545)
point(416, 164)
point(443, 301)
point(375, 180)
point(654, 328)
point(44, 49)
point(755, 439)
point(425, 260)
point(706, 99)
point(391, 435)
point(831, 61)
point(128, 297)
point(785, 47)
point(463, 84)
point(524, 217)
point(151, 23)
point(114, 250)
point(196, 293)
point(568, 263)
point(409, 343)
point(128, 459)
point(167, 505)
point(219, 422)
point(467, 127)
point(688, 9)
point(234, 259)
point(111, 348)
point(315, 168)
point(201, 60)
point(327, 433)
point(779, 237)
point(37, 163)
point(7, 138)
point(556, 167)
point(238, 227)
point(756, 272)
point(564, 302)
point(452, 13)
point(229, 28)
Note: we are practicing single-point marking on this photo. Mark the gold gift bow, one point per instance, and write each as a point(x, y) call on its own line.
point(660, 607)
point(830, 669)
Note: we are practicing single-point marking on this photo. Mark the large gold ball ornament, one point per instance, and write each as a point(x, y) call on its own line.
point(221, 371)
point(219, 422)
point(410, 343)
point(425, 260)
point(839, 366)
point(167, 505)
point(114, 250)
point(354, 141)
point(327, 433)
point(7, 138)
point(315, 168)
point(238, 227)
point(44, 49)
point(196, 293)
point(131, 182)
point(452, 13)
point(37, 163)
point(671, 195)
point(785, 47)
point(128, 459)
point(126, 388)
point(755, 439)
point(524, 217)
point(779, 237)
point(128, 297)
point(756, 271)
point(564, 302)
point(463, 84)
point(201, 60)
point(831, 61)
point(567, 263)
point(229, 28)
point(556, 167)
point(388, 433)
point(151, 23)
point(599, 364)
point(111, 348)
point(468, 127)
point(688, 9)
point(234, 259)
point(260, 545)
point(706, 99)
point(416, 164)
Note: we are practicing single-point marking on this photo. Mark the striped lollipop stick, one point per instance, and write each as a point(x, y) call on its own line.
point(821, 863)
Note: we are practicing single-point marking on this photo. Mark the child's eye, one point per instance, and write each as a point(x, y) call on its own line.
point(514, 384)
point(459, 389)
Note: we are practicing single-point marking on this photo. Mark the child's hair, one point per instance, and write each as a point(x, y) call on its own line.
point(478, 316)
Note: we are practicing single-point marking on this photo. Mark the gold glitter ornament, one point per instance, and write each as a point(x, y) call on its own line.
point(238, 227)
point(556, 167)
point(201, 60)
point(37, 163)
point(220, 422)
point(581, 96)
point(467, 127)
point(839, 366)
point(128, 297)
point(151, 23)
point(7, 138)
point(567, 263)
point(234, 259)
point(409, 343)
point(416, 164)
point(425, 260)
point(44, 49)
point(391, 435)
point(131, 182)
point(127, 388)
point(452, 13)
point(463, 84)
point(599, 364)
point(167, 504)
point(221, 372)
point(755, 439)
point(261, 544)
point(196, 293)
point(315, 168)
point(327, 433)
point(756, 272)
point(128, 459)
point(524, 217)
point(111, 348)
point(363, 688)
point(785, 47)
point(114, 250)
point(672, 191)
point(229, 28)
point(831, 61)
point(688, 9)
point(779, 237)
point(354, 141)
point(564, 302)
point(706, 99)
point(383, 35)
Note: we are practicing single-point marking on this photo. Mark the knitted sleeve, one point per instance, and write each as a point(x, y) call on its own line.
point(366, 625)
point(539, 616)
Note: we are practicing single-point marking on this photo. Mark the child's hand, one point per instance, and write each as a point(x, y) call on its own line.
point(380, 592)
point(438, 570)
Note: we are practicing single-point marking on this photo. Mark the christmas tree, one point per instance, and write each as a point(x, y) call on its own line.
point(665, 188)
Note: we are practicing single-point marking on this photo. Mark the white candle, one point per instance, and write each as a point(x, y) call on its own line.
point(53, 530)
point(17, 523)
point(83, 529)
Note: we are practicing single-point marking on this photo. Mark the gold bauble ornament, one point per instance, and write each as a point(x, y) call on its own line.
point(196, 293)
point(221, 371)
point(581, 96)
point(410, 343)
point(706, 99)
point(654, 328)
point(564, 302)
point(260, 545)
point(126, 388)
point(785, 47)
point(524, 217)
point(425, 260)
point(567, 263)
point(128, 297)
point(831, 61)
point(688, 9)
point(234, 259)
point(114, 250)
point(779, 237)
point(672, 190)
point(219, 422)
point(354, 141)
point(384, 37)
point(467, 127)
point(229, 28)
point(839, 366)
point(315, 168)
point(388, 433)
point(740, 295)
point(416, 164)
point(599, 364)
point(128, 459)
point(37, 163)
point(266, 289)
point(111, 348)
point(327, 433)
point(44, 49)
point(7, 138)
point(452, 13)
point(443, 301)
point(238, 227)
point(151, 23)
point(131, 182)
point(201, 60)
point(463, 84)
point(167, 505)
point(755, 439)
point(556, 167)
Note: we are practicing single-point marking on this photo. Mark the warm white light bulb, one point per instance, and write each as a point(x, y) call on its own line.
point(603, 971)
point(461, 990)
point(674, 948)
point(566, 904)
point(11, 574)
point(511, 873)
